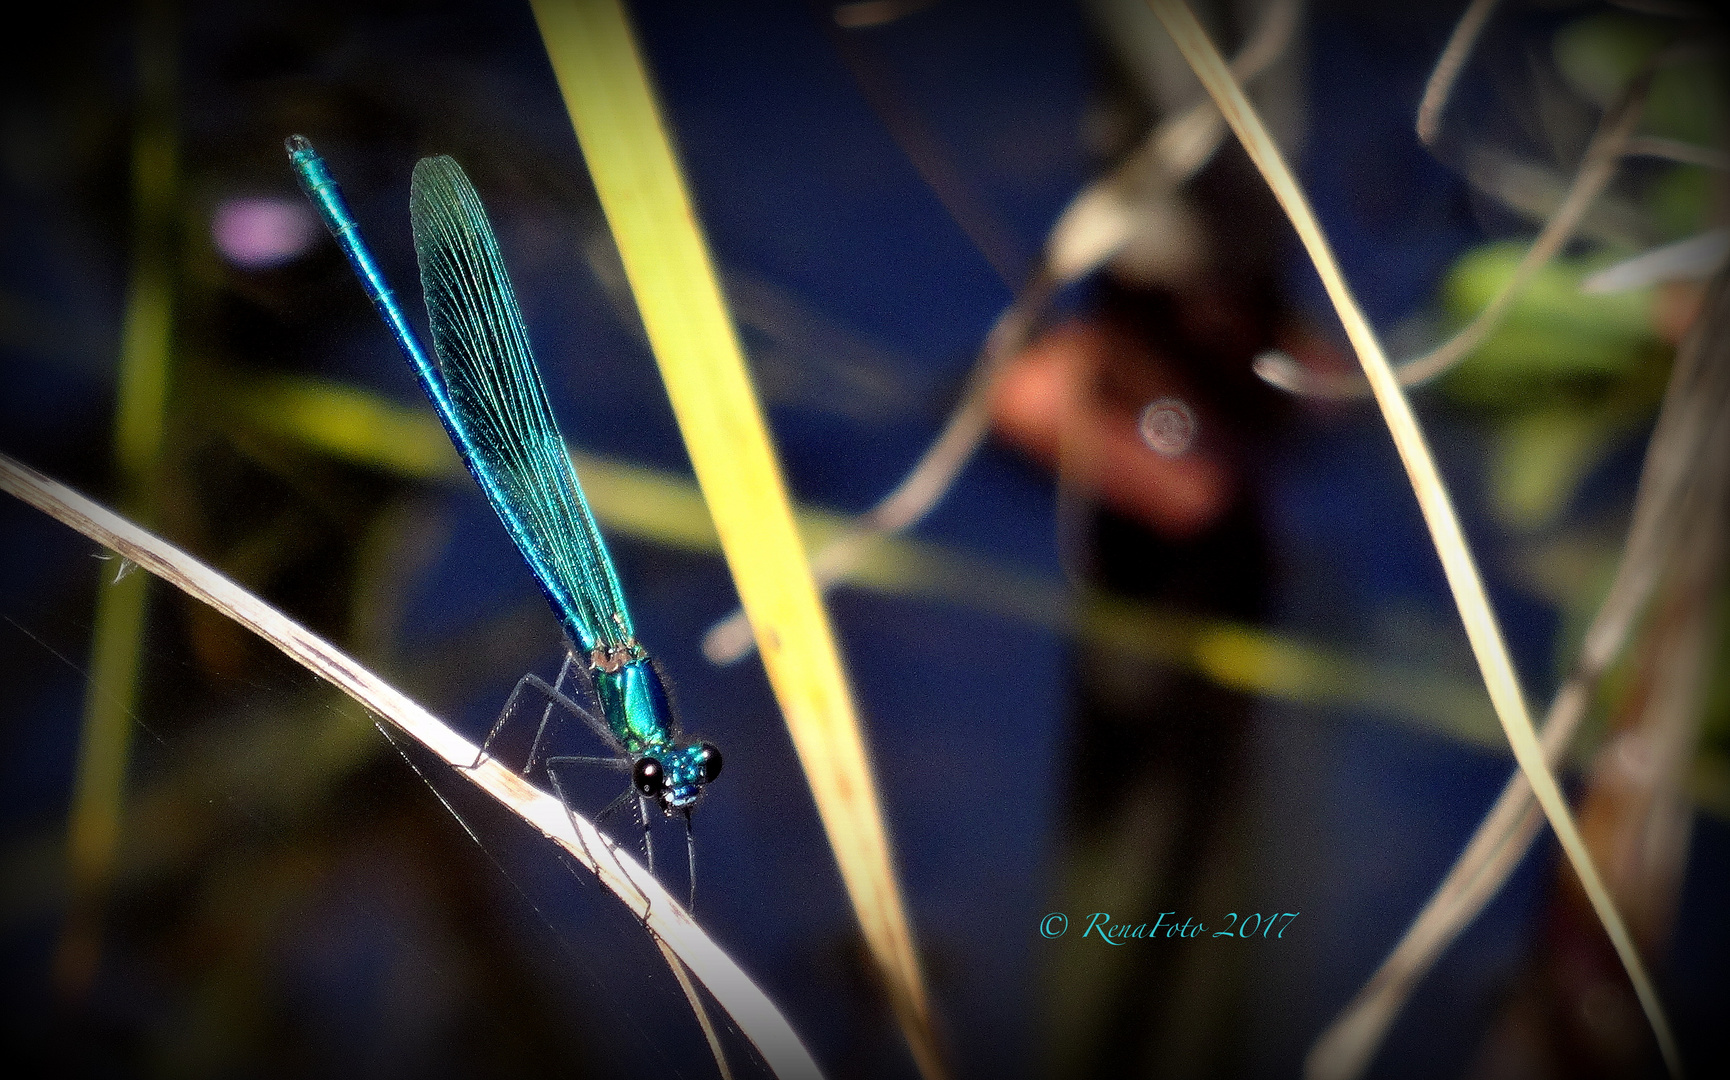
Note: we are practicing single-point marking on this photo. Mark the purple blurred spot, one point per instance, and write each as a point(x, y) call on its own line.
point(259, 232)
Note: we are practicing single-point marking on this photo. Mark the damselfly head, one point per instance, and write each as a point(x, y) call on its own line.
point(674, 778)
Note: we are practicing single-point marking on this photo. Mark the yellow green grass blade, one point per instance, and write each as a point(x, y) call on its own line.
point(660, 507)
point(643, 194)
point(105, 744)
point(1482, 629)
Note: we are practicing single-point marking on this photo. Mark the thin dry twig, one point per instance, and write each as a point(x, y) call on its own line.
point(1441, 82)
point(1691, 421)
point(638, 889)
point(1103, 218)
point(1482, 629)
point(924, 150)
point(1597, 168)
point(730, 639)
point(1686, 153)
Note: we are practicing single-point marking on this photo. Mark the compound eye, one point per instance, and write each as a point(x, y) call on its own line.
point(709, 761)
point(648, 778)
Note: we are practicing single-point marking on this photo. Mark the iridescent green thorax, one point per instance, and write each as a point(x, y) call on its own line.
point(636, 706)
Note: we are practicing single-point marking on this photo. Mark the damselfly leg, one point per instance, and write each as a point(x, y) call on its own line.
point(555, 696)
point(607, 811)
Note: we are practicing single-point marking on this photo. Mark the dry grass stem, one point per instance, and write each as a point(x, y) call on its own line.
point(1691, 429)
point(1106, 216)
point(638, 889)
point(1597, 168)
point(1676, 150)
point(1441, 82)
point(1636, 795)
point(698, 1009)
point(1480, 623)
point(140, 426)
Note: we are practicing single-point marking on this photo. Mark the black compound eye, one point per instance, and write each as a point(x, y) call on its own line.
point(710, 762)
point(648, 777)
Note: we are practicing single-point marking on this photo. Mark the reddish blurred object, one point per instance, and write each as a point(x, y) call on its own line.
point(1676, 307)
point(1049, 402)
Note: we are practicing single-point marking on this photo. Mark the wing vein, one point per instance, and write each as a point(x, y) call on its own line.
point(500, 405)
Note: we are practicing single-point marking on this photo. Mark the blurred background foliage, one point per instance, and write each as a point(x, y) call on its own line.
point(1071, 707)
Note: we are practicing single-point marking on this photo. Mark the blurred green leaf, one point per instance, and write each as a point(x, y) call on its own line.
point(1600, 53)
point(1687, 101)
point(1572, 571)
point(1682, 200)
point(1552, 332)
point(1538, 460)
point(352, 424)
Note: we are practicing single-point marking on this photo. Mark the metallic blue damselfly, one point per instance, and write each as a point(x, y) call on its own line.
point(488, 393)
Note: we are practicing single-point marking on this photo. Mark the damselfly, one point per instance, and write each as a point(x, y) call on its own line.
point(488, 393)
